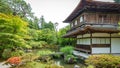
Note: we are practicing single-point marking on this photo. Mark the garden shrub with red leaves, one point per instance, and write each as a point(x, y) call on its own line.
point(14, 60)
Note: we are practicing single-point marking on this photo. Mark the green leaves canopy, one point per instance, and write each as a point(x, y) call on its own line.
point(12, 32)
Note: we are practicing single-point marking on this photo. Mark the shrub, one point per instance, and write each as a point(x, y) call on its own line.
point(33, 64)
point(14, 60)
point(67, 50)
point(17, 53)
point(54, 66)
point(40, 44)
point(103, 61)
point(44, 52)
point(6, 53)
point(44, 55)
point(29, 57)
point(70, 59)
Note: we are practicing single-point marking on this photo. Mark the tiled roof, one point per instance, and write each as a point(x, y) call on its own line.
point(94, 6)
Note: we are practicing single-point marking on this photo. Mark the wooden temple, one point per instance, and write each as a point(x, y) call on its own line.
point(95, 26)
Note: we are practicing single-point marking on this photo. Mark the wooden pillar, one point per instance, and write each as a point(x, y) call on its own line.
point(69, 42)
point(91, 42)
point(110, 44)
point(76, 41)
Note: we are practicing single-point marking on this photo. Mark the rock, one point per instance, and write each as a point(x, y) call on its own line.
point(76, 66)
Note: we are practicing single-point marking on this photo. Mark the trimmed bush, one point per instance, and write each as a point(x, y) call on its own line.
point(103, 61)
point(67, 50)
point(70, 59)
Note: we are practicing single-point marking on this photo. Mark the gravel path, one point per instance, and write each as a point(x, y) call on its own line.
point(4, 66)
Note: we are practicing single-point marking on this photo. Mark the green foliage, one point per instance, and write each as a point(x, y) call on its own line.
point(6, 53)
point(64, 41)
point(44, 52)
point(29, 57)
point(49, 25)
point(33, 64)
point(17, 53)
point(44, 55)
point(103, 61)
point(54, 66)
point(70, 59)
point(4, 8)
point(90, 66)
point(44, 25)
point(13, 31)
point(67, 50)
point(19, 7)
point(47, 35)
point(117, 1)
point(40, 44)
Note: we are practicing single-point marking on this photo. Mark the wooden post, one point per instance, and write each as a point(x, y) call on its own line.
point(110, 44)
point(91, 42)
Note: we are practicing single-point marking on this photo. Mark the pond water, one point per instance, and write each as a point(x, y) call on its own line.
point(61, 62)
point(57, 61)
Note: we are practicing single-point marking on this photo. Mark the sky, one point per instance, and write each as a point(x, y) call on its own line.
point(54, 10)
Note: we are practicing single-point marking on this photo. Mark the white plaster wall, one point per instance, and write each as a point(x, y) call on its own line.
point(100, 35)
point(115, 35)
point(100, 50)
point(100, 40)
point(95, 41)
point(115, 45)
point(77, 41)
point(86, 41)
point(86, 35)
point(83, 41)
point(79, 36)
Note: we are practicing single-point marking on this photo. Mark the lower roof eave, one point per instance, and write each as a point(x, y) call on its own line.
point(89, 29)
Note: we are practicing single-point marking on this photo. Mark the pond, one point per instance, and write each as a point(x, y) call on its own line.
point(61, 62)
point(57, 61)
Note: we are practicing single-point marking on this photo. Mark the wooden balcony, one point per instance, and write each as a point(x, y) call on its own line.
point(83, 48)
point(87, 48)
point(107, 25)
point(100, 45)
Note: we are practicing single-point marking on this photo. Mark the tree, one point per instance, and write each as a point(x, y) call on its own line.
point(47, 35)
point(20, 8)
point(34, 24)
point(13, 32)
point(4, 8)
point(117, 1)
point(64, 41)
point(49, 25)
point(42, 22)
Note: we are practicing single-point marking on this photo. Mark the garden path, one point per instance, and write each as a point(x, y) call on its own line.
point(4, 66)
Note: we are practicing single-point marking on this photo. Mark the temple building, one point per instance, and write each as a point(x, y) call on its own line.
point(95, 26)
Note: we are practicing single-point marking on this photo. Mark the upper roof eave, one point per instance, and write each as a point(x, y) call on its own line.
point(82, 6)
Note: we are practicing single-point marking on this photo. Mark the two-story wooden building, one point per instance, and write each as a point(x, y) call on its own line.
point(95, 26)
